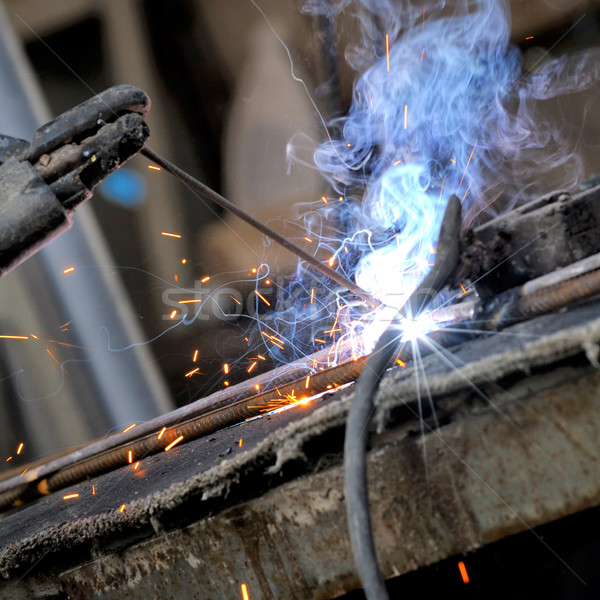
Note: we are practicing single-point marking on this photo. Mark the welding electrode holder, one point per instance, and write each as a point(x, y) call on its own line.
point(42, 183)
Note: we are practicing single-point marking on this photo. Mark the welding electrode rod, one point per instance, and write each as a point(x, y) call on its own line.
point(210, 194)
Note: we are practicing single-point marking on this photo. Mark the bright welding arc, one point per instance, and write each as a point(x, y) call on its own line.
point(363, 405)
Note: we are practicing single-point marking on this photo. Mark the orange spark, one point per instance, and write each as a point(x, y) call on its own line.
point(14, 337)
point(173, 314)
point(240, 443)
point(452, 161)
point(136, 466)
point(405, 115)
point(387, 50)
point(129, 428)
point(226, 368)
point(235, 300)
point(9, 458)
point(195, 357)
point(35, 337)
point(53, 358)
point(189, 301)
point(173, 235)
point(261, 357)
point(262, 297)
point(130, 457)
point(162, 432)
point(154, 168)
point(174, 443)
point(341, 198)
point(68, 270)
point(462, 287)
point(93, 490)
point(307, 381)
point(400, 362)
point(25, 471)
point(226, 383)
point(192, 372)
point(70, 496)
point(463, 199)
point(257, 387)
point(245, 595)
point(308, 239)
point(422, 52)
point(20, 448)
point(205, 279)
point(468, 162)
point(175, 277)
point(312, 295)
point(122, 508)
point(252, 366)
point(397, 162)
point(324, 199)
point(331, 261)
point(529, 38)
point(183, 261)
point(463, 571)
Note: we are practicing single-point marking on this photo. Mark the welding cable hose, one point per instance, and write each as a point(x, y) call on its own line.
point(363, 406)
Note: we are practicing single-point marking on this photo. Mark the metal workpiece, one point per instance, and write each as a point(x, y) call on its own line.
point(269, 512)
point(530, 241)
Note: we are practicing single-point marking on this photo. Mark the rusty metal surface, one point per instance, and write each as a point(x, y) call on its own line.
point(524, 457)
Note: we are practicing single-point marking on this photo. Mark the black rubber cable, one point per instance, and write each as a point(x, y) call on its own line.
point(363, 405)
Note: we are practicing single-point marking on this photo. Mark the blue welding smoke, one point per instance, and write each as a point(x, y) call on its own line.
point(449, 109)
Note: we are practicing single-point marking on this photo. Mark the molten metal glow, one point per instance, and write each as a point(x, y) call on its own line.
point(463, 571)
point(262, 297)
point(174, 443)
point(387, 50)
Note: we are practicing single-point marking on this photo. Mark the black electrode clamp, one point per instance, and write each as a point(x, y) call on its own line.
point(42, 183)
